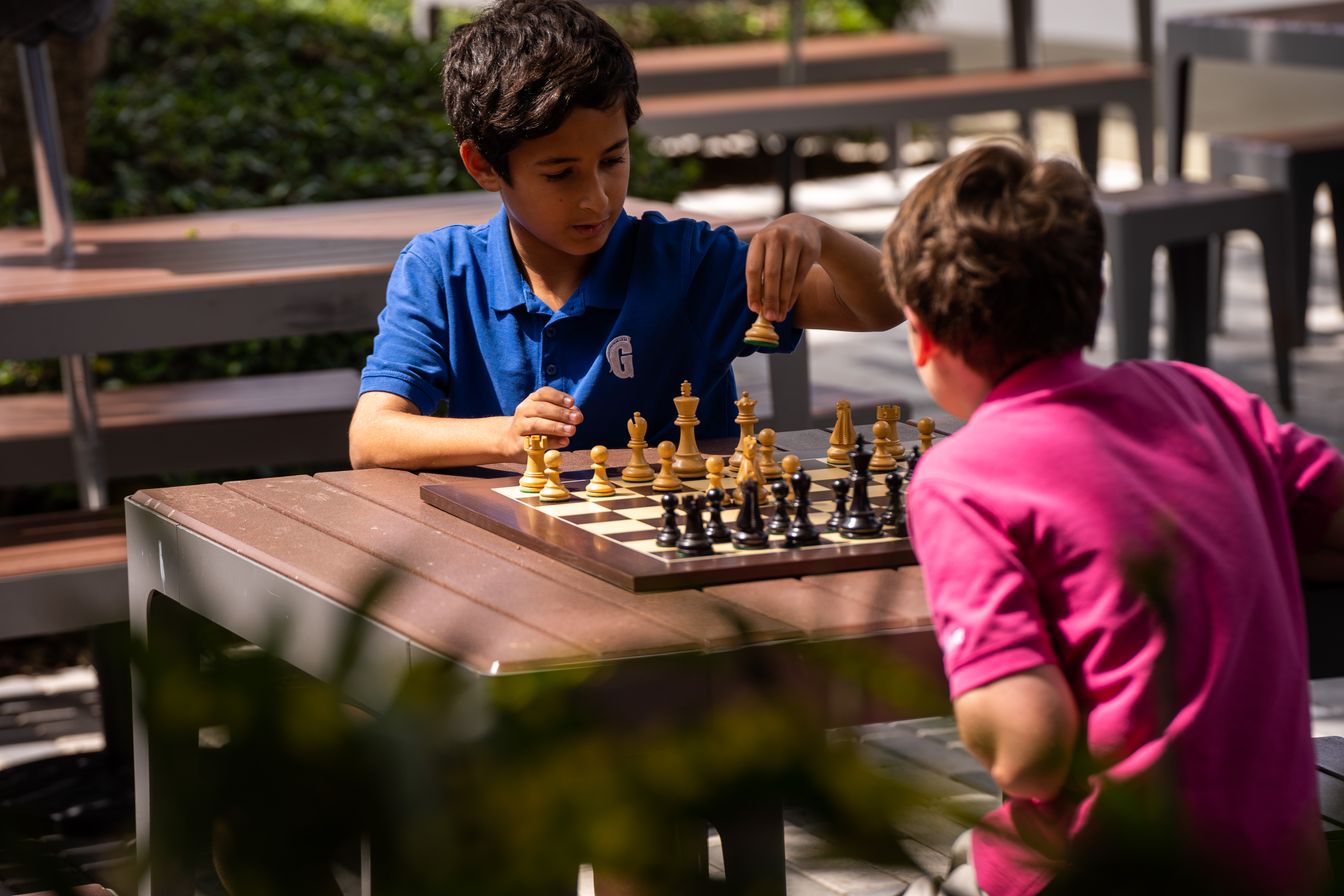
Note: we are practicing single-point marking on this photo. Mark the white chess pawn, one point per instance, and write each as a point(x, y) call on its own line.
point(553, 492)
point(714, 471)
point(600, 486)
point(769, 467)
point(882, 459)
point(666, 480)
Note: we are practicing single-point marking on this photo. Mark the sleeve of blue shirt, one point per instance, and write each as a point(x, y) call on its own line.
point(717, 294)
point(410, 351)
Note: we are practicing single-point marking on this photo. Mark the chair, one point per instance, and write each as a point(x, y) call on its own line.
point(1183, 216)
point(1298, 161)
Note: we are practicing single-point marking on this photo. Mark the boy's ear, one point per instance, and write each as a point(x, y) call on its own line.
point(922, 344)
point(480, 170)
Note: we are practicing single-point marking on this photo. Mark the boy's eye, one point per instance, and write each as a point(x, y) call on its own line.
point(614, 161)
point(556, 175)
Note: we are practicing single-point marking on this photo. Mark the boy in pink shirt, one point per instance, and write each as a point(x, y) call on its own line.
point(1112, 556)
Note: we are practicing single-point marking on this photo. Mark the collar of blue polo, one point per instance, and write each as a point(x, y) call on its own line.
point(509, 287)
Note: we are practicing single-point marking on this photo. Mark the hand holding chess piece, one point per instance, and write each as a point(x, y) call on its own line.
point(761, 333)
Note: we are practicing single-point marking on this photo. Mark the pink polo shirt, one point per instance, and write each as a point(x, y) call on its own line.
point(1023, 521)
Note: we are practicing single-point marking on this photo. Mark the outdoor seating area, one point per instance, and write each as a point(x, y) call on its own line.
point(236, 657)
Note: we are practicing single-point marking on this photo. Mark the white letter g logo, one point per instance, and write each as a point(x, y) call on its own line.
point(621, 357)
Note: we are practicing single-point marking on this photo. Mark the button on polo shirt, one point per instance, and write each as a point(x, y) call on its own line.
point(662, 301)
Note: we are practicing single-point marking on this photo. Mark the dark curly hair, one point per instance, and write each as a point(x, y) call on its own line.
point(518, 69)
point(1000, 256)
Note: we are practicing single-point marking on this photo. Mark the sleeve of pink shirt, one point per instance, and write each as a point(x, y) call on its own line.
point(984, 601)
point(1311, 470)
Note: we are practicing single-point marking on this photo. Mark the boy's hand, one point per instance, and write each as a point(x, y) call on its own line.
point(547, 412)
point(778, 261)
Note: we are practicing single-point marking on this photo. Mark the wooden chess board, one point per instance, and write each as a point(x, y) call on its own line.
point(614, 537)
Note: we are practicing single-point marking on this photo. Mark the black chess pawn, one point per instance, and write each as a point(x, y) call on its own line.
point(801, 531)
point(750, 534)
point(861, 521)
point(894, 516)
point(669, 535)
point(841, 487)
point(716, 528)
point(695, 542)
point(779, 523)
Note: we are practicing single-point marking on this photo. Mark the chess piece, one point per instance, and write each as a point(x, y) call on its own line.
point(714, 472)
point(638, 470)
point(534, 477)
point(925, 427)
point(688, 463)
point(746, 419)
point(696, 541)
point(842, 436)
point(790, 465)
point(894, 516)
point(841, 487)
point(600, 486)
point(801, 531)
point(750, 469)
point(761, 333)
point(890, 414)
point(669, 534)
point(666, 480)
point(769, 467)
point(882, 459)
point(861, 521)
point(779, 523)
point(716, 528)
point(553, 491)
point(750, 534)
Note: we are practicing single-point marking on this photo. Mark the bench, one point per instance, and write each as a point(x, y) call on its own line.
point(807, 108)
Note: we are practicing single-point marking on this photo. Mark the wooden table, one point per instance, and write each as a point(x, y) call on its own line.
point(302, 548)
point(1311, 34)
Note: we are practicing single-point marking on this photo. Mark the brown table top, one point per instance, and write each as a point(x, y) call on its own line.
point(496, 607)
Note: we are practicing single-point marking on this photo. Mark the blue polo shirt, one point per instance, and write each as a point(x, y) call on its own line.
point(664, 301)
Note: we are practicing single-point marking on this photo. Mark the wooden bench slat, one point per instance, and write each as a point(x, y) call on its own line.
point(819, 106)
point(199, 425)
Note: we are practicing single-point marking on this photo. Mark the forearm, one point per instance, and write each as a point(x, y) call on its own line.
point(1023, 729)
point(847, 292)
point(409, 441)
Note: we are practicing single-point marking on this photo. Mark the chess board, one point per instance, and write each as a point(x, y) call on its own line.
point(614, 537)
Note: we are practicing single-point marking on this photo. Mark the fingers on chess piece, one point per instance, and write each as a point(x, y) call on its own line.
point(801, 531)
point(666, 480)
point(638, 470)
point(553, 491)
point(696, 541)
point(761, 333)
point(717, 530)
point(600, 486)
point(779, 522)
point(669, 534)
point(534, 476)
point(687, 463)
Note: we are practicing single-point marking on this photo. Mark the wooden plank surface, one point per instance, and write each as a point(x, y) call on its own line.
point(714, 623)
point(440, 619)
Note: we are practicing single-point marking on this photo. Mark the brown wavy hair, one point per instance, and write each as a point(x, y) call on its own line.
point(1000, 256)
point(518, 69)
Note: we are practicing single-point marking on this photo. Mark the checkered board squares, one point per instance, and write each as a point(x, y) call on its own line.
point(632, 516)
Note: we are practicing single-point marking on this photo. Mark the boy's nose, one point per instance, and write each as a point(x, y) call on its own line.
point(594, 195)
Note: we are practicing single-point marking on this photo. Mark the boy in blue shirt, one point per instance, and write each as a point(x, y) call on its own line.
point(563, 315)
